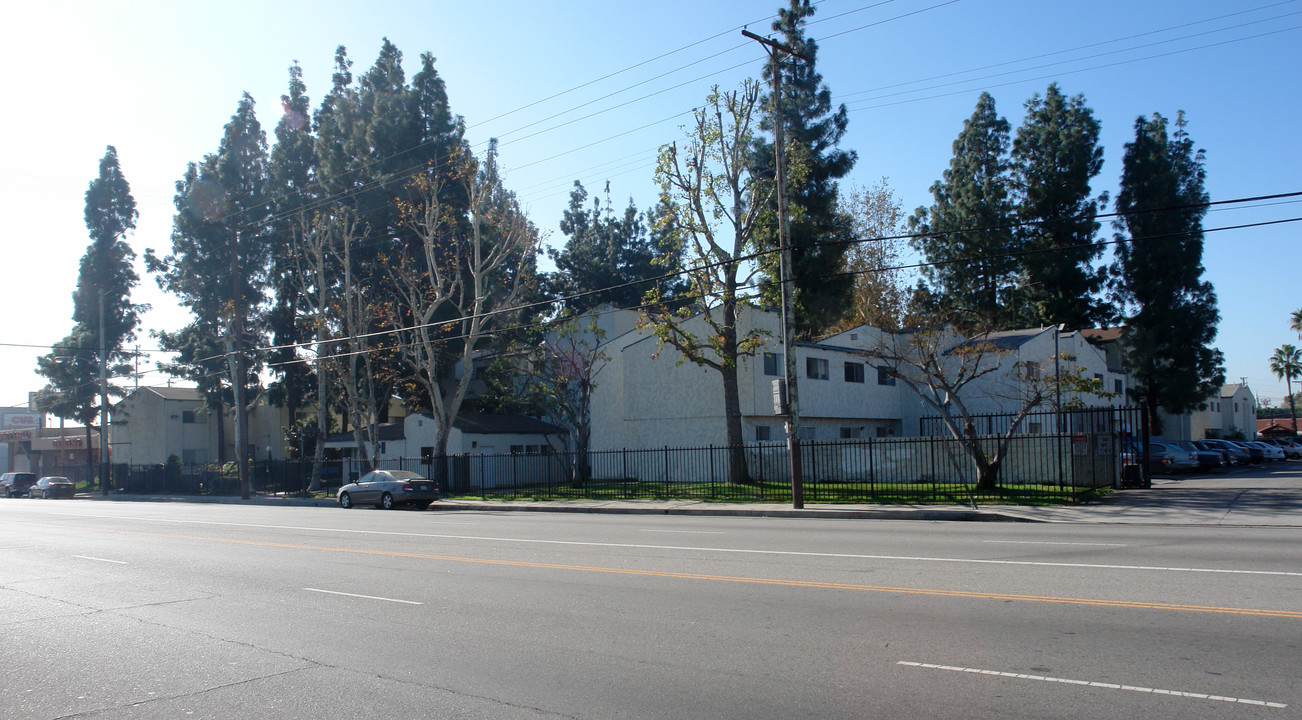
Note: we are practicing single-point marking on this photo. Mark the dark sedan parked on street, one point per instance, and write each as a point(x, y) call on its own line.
point(53, 486)
point(389, 489)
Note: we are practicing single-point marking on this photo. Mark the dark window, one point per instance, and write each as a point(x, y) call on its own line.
point(762, 432)
point(816, 368)
point(884, 377)
point(188, 417)
point(427, 455)
point(854, 372)
point(772, 361)
point(1118, 386)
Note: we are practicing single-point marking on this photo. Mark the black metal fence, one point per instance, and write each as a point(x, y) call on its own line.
point(1053, 457)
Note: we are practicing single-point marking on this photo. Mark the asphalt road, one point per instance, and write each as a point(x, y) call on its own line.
point(168, 610)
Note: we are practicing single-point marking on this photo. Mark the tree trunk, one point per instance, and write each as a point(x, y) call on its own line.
point(440, 474)
point(737, 472)
point(1292, 407)
point(221, 433)
point(322, 427)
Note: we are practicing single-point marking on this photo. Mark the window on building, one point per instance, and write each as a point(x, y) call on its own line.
point(851, 433)
point(806, 433)
point(816, 368)
point(1118, 386)
point(427, 455)
point(1099, 378)
point(763, 432)
point(772, 363)
point(1031, 370)
point(854, 372)
point(517, 449)
point(384, 447)
point(884, 432)
point(190, 417)
point(885, 377)
point(1035, 428)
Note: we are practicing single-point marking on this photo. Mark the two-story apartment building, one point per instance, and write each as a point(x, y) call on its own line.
point(153, 423)
point(648, 396)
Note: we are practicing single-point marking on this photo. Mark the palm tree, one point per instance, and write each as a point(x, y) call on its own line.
point(1286, 363)
point(1295, 322)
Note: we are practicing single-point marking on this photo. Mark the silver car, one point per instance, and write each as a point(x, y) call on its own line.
point(389, 489)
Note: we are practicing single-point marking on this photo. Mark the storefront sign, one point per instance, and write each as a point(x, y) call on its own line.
point(17, 435)
point(15, 421)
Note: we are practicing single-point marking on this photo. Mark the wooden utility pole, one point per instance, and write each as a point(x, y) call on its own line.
point(791, 397)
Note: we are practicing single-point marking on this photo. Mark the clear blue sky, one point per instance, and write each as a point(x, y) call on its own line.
point(159, 80)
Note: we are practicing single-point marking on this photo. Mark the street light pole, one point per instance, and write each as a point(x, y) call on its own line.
point(103, 403)
point(792, 406)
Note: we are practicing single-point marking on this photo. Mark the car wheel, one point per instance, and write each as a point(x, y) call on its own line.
point(386, 501)
point(45, 495)
point(423, 505)
point(345, 500)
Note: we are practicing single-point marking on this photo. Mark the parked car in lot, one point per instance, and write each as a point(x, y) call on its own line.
point(1234, 454)
point(389, 489)
point(1270, 452)
point(16, 484)
point(1207, 459)
point(1292, 450)
point(1182, 460)
point(52, 486)
point(1160, 459)
point(1255, 454)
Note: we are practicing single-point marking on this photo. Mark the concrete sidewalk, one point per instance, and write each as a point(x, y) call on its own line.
point(1262, 497)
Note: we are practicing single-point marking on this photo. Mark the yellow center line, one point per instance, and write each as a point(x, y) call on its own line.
point(1132, 604)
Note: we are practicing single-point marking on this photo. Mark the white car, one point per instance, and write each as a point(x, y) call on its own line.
point(389, 489)
point(1270, 452)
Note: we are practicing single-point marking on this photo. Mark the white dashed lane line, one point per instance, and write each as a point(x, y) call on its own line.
point(364, 597)
point(1094, 684)
point(87, 557)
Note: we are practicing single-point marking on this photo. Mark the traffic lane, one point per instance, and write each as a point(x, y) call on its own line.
point(1107, 544)
point(1229, 550)
point(469, 606)
point(1025, 574)
point(530, 633)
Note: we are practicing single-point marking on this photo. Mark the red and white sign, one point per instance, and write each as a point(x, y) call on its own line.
point(19, 421)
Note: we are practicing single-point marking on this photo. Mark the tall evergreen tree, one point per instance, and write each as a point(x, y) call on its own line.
point(291, 189)
point(219, 260)
point(1055, 156)
point(967, 234)
point(102, 312)
point(605, 257)
point(1171, 311)
point(820, 233)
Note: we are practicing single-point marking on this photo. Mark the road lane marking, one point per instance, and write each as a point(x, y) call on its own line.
point(364, 597)
point(1094, 684)
point(87, 557)
point(683, 532)
point(1131, 604)
point(741, 551)
point(1047, 542)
